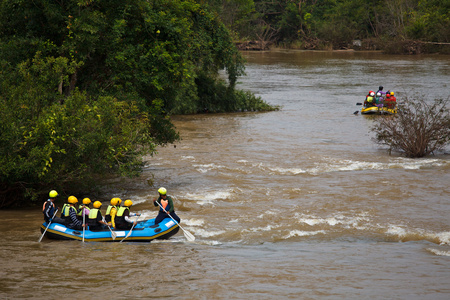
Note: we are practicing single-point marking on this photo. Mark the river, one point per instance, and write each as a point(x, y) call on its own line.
point(298, 203)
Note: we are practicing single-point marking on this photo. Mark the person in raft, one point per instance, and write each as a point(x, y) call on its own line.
point(95, 219)
point(393, 100)
point(166, 207)
point(111, 211)
point(65, 208)
point(71, 221)
point(380, 90)
point(49, 208)
point(370, 99)
point(122, 218)
point(84, 210)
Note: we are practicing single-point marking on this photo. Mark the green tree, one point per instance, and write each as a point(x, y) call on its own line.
point(338, 22)
point(236, 15)
point(48, 144)
point(87, 87)
point(430, 21)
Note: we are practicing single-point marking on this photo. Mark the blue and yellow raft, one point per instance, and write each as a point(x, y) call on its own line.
point(144, 231)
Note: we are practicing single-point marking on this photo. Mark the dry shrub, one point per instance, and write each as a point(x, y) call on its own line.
point(421, 127)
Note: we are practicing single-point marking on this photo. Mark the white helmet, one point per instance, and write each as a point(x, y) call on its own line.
point(372, 94)
point(378, 94)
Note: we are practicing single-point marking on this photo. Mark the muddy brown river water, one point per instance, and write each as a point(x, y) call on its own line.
point(294, 204)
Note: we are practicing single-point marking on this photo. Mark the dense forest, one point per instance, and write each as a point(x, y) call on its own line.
point(395, 26)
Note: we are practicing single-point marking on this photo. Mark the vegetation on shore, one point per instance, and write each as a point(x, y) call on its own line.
point(395, 26)
point(87, 87)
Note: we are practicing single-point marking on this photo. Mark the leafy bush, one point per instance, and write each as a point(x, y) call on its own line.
point(419, 128)
point(49, 141)
point(215, 96)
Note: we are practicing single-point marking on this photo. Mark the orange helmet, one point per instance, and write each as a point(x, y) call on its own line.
point(114, 201)
point(72, 200)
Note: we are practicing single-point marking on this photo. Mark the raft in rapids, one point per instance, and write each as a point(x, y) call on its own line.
point(144, 231)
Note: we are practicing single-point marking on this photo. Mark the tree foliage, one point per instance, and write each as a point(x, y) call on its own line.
point(87, 87)
point(419, 128)
point(48, 140)
point(317, 23)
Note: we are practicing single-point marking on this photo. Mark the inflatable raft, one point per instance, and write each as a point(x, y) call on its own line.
point(144, 231)
point(375, 110)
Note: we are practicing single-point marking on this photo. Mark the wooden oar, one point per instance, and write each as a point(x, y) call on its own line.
point(187, 234)
point(47, 226)
point(131, 230)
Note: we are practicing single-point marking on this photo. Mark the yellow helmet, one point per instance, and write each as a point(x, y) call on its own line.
point(97, 204)
point(128, 203)
point(53, 194)
point(114, 201)
point(86, 201)
point(392, 93)
point(162, 191)
point(119, 201)
point(72, 200)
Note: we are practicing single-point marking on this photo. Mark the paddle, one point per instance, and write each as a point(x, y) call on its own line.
point(47, 226)
point(359, 103)
point(131, 230)
point(113, 234)
point(187, 234)
point(84, 223)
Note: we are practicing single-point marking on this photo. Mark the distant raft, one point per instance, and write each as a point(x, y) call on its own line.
point(144, 231)
point(375, 110)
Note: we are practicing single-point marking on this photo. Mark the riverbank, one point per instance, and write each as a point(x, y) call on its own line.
point(406, 47)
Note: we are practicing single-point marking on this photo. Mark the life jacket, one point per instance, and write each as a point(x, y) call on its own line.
point(80, 212)
point(51, 203)
point(121, 211)
point(120, 218)
point(369, 99)
point(67, 219)
point(165, 203)
point(48, 210)
point(388, 101)
point(65, 211)
point(93, 214)
point(92, 220)
point(108, 213)
point(120, 221)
